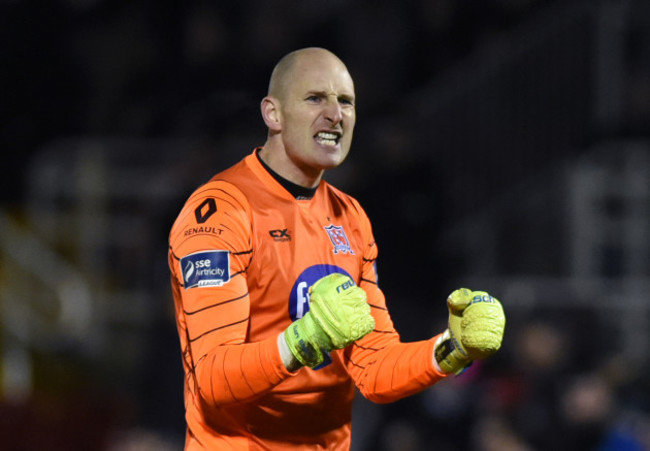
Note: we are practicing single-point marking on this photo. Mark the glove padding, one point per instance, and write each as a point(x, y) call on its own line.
point(338, 316)
point(476, 326)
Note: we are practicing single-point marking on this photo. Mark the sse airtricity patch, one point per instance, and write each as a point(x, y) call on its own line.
point(206, 269)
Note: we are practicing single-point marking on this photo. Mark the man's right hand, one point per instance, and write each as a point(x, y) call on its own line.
point(338, 316)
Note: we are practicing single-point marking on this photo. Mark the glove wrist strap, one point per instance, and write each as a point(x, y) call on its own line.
point(443, 349)
point(301, 345)
point(448, 356)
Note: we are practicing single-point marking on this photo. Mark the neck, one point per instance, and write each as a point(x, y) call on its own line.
point(280, 163)
point(297, 191)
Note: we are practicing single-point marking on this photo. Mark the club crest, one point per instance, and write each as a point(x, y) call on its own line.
point(338, 239)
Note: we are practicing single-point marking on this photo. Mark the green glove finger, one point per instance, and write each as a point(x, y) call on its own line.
point(339, 307)
point(483, 324)
point(459, 300)
point(456, 303)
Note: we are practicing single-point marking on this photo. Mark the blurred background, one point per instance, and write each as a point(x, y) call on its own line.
point(502, 145)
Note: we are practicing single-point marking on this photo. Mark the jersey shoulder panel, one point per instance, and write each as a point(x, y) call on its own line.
point(216, 215)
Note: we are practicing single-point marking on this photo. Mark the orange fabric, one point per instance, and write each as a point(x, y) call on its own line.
point(238, 394)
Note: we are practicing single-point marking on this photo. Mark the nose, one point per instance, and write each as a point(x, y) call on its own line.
point(333, 112)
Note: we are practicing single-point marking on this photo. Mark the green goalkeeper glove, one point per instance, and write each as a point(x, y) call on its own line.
point(476, 325)
point(338, 316)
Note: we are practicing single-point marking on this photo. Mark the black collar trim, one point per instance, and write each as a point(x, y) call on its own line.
point(297, 191)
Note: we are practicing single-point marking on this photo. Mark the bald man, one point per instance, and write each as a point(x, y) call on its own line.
point(310, 115)
point(252, 254)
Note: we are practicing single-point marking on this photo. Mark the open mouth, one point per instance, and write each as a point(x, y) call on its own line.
point(327, 138)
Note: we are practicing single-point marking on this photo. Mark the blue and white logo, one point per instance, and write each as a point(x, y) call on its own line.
point(206, 269)
point(299, 297)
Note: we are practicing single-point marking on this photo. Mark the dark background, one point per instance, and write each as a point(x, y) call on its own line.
point(500, 144)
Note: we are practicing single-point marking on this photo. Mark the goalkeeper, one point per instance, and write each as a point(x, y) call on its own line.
point(275, 289)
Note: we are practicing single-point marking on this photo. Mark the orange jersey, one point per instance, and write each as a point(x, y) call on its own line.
point(242, 254)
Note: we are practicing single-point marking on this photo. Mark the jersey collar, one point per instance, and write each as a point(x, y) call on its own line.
point(298, 192)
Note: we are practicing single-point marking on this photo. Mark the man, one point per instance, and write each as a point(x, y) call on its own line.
point(277, 304)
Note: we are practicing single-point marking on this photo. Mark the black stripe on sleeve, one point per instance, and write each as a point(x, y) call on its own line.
point(192, 340)
point(372, 282)
point(216, 305)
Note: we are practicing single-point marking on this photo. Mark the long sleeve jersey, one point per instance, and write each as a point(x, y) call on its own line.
point(242, 255)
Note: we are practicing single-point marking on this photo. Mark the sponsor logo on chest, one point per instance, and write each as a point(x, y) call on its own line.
point(280, 235)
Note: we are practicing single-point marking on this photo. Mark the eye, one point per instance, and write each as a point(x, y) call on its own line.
point(313, 98)
point(346, 101)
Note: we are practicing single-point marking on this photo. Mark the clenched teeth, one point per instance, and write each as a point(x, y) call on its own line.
point(326, 138)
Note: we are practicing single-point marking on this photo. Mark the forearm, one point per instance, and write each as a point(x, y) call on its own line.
point(240, 373)
point(395, 371)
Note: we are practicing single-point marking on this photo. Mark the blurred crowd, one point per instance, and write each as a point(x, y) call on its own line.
point(145, 68)
point(557, 384)
point(197, 70)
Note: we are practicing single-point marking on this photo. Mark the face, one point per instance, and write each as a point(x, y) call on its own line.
point(317, 113)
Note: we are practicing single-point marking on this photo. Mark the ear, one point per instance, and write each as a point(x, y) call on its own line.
point(271, 113)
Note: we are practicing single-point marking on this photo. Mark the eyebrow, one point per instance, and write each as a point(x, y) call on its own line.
point(322, 93)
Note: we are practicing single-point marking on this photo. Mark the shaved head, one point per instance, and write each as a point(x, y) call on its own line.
point(310, 114)
point(291, 64)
